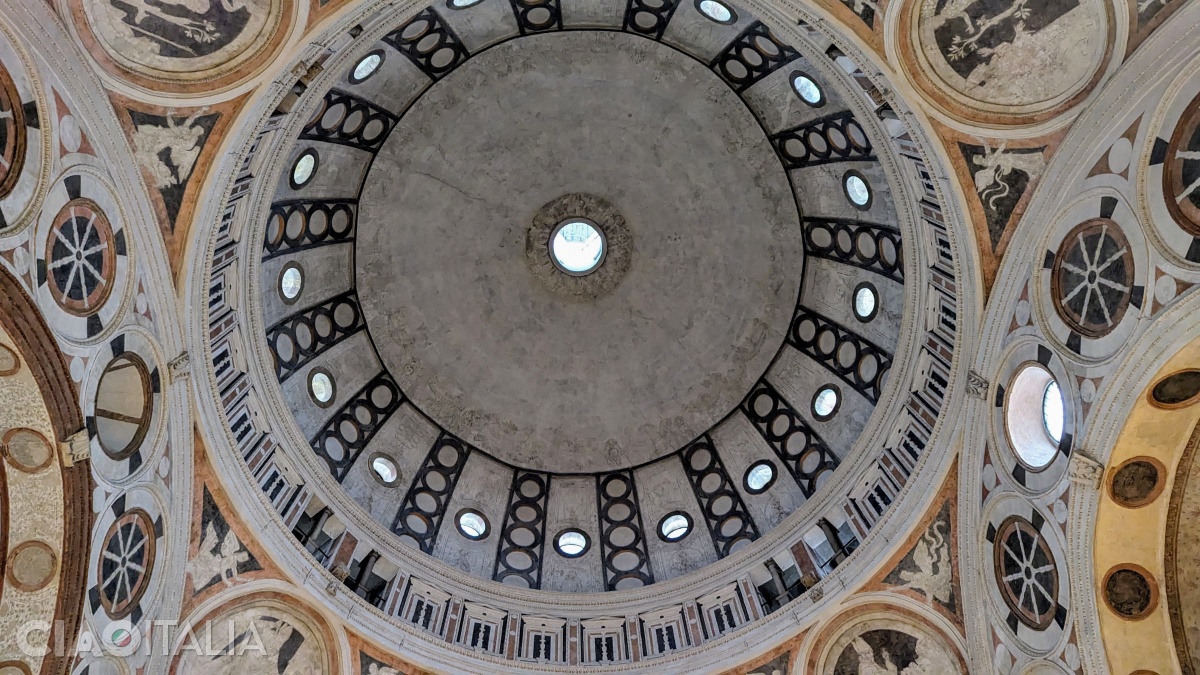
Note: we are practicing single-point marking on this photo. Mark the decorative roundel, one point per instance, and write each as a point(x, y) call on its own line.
point(121, 578)
point(127, 557)
point(83, 267)
point(1033, 417)
point(1090, 289)
point(22, 143)
point(27, 450)
point(10, 362)
point(81, 261)
point(519, 556)
point(124, 406)
point(367, 66)
point(1177, 390)
point(1137, 482)
point(1028, 585)
point(1093, 277)
point(717, 11)
point(1181, 171)
point(674, 526)
point(572, 543)
point(124, 410)
point(31, 566)
point(13, 140)
point(1130, 591)
point(472, 524)
point(1026, 572)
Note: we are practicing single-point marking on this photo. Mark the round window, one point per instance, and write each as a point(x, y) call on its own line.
point(572, 543)
point(858, 191)
point(472, 524)
point(1052, 411)
point(1035, 416)
point(385, 470)
point(866, 302)
point(291, 282)
point(124, 406)
point(716, 11)
point(759, 477)
point(674, 526)
point(462, 4)
point(366, 66)
point(826, 402)
point(304, 168)
point(808, 90)
point(577, 247)
point(321, 387)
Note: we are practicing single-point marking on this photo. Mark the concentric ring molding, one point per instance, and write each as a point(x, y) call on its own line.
point(659, 595)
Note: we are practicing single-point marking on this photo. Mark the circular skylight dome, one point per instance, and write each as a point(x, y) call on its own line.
point(825, 403)
point(717, 11)
point(675, 526)
point(366, 66)
point(577, 247)
point(866, 301)
point(571, 543)
point(808, 90)
point(472, 524)
point(1052, 411)
point(857, 190)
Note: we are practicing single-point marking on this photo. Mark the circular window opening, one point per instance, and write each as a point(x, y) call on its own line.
point(124, 406)
point(366, 66)
point(1035, 416)
point(304, 168)
point(717, 11)
point(321, 387)
point(472, 524)
point(808, 90)
point(760, 477)
point(674, 526)
point(572, 543)
point(291, 282)
point(1177, 390)
point(577, 247)
point(826, 402)
point(857, 190)
point(385, 470)
point(462, 4)
point(1052, 411)
point(866, 302)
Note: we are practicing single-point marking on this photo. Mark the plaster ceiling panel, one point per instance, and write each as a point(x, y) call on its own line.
point(829, 290)
point(799, 378)
point(776, 104)
point(326, 272)
point(566, 511)
point(486, 23)
point(741, 446)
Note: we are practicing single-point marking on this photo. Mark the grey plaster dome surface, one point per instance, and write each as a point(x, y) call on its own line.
point(538, 380)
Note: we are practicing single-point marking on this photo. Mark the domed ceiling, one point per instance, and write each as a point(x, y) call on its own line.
point(719, 332)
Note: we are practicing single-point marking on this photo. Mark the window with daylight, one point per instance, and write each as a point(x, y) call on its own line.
point(304, 168)
point(366, 66)
point(291, 282)
point(866, 302)
point(825, 403)
point(1035, 416)
point(808, 90)
point(716, 11)
point(577, 247)
point(321, 387)
point(572, 543)
point(674, 526)
point(472, 524)
point(760, 477)
point(858, 191)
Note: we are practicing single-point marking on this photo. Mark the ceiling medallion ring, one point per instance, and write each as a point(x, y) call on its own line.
point(615, 257)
